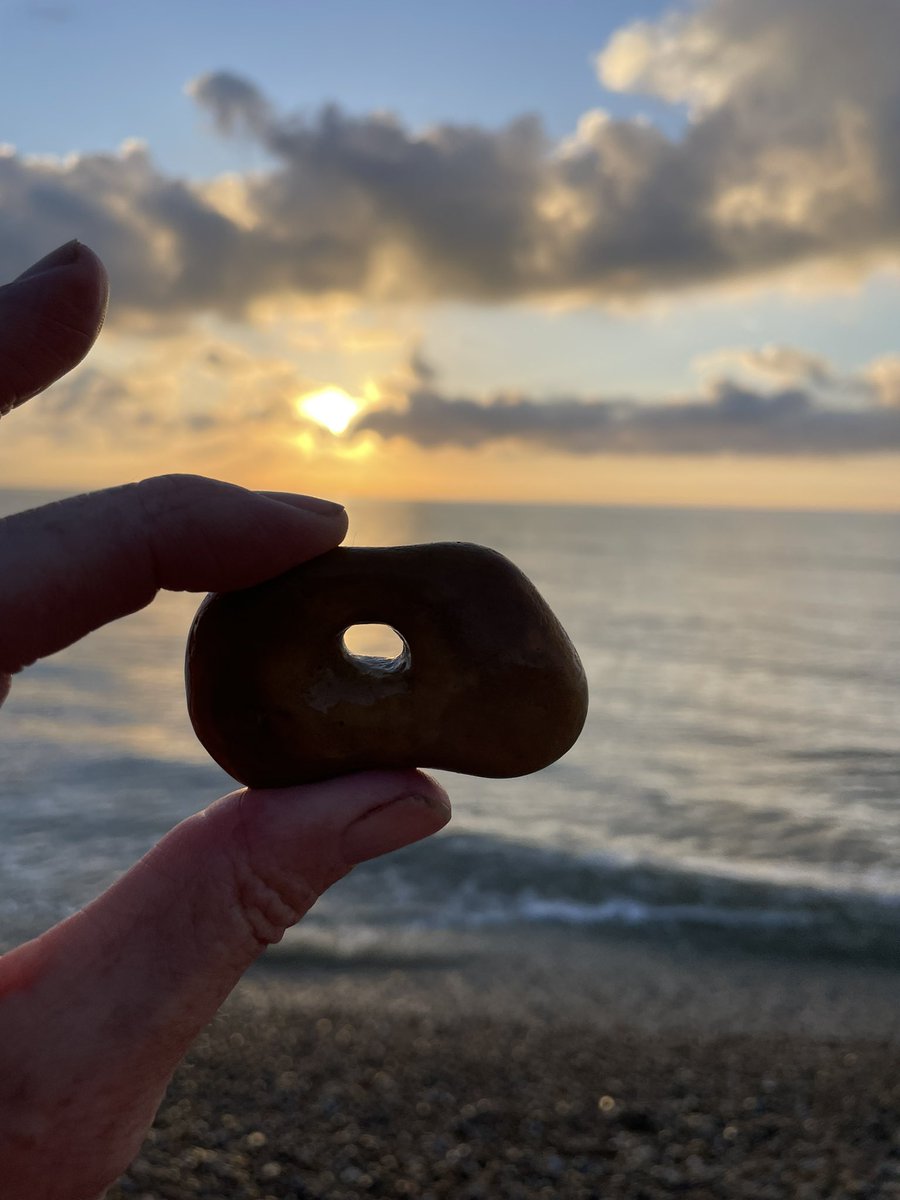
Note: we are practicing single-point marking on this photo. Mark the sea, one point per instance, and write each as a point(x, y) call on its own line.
point(737, 781)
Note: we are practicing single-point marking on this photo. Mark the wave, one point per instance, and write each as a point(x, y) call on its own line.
point(468, 881)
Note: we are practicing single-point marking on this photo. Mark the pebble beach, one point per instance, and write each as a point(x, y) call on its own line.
point(540, 1067)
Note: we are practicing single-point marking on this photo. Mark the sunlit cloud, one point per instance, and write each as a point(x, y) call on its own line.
point(771, 362)
point(883, 375)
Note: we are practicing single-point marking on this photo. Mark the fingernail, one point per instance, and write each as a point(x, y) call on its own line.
point(62, 256)
point(313, 504)
point(325, 508)
point(387, 828)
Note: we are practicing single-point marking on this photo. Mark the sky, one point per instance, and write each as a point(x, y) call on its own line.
point(563, 252)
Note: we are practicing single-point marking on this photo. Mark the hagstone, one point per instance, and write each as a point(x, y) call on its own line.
point(488, 682)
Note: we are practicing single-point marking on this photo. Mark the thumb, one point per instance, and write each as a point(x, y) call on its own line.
point(230, 880)
point(104, 1005)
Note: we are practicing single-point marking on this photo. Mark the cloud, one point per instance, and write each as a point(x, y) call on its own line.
point(883, 376)
point(178, 390)
point(790, 155)
point(235, 105)
point(731, 419)
point(786, 366)
point(877, 384)
point(786, 362)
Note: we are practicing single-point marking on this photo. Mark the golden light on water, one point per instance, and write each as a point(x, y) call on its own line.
point(331, 407)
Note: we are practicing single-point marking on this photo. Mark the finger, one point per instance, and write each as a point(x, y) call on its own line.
point(49, 318)
point(72, 566)
point(104, 1006)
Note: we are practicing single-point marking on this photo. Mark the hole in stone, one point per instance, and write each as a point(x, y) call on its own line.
point(375, 641)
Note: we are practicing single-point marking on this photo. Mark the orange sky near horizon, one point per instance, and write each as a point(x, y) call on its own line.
point(311, 459)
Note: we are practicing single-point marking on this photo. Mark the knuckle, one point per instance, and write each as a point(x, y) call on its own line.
point(161, 493)
point(275, 882)
point(269, 903)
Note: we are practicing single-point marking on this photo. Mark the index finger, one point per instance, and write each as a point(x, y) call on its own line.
point(70, 567)
point(49, 318)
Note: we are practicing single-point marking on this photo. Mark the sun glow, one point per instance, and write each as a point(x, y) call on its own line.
point(331, 407)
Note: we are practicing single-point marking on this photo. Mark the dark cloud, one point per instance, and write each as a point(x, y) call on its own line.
point(421, 369)
point(735, 420)
point(235, 105)
point(791, 155)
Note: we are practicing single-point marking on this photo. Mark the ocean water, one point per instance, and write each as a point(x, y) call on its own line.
point(738, 779)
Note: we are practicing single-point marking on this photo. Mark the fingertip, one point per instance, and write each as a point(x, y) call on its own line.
point(398, 823)
point(219, 536)
point(62, 256)
point(343, 799)
point(73, 276)
point(340, 822)
point(334, 515)
point(313, 504)
point(50, 316)
point(72, 254)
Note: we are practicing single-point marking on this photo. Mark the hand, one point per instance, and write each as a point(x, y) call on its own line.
point(96, 1013)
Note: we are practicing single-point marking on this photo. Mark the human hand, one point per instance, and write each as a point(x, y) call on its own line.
point(96, 1013)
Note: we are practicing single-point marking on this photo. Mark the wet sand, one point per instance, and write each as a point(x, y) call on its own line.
point(541, 1064)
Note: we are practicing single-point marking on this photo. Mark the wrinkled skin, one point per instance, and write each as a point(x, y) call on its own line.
point(96, 1013)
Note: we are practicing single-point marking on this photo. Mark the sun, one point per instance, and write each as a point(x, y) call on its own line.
point(329, 406)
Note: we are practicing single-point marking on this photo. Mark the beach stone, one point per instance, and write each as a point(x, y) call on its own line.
point(488, 682)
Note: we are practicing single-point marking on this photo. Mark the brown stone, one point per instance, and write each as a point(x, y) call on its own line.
point(488, 682)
